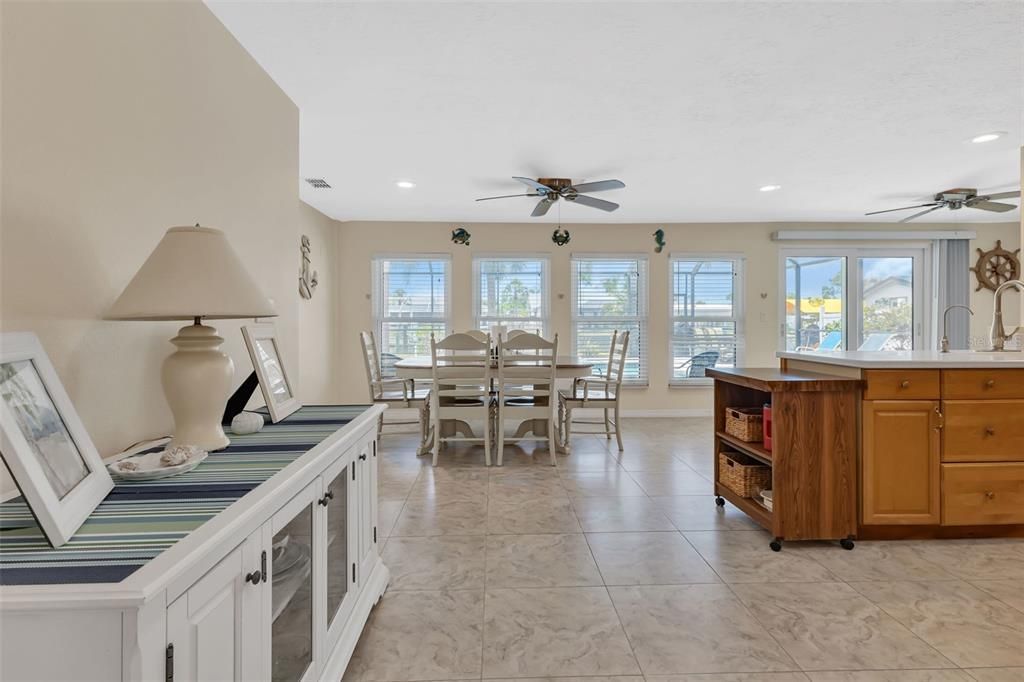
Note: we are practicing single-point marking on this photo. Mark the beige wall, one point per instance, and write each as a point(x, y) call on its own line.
point(317, 315)
point(358, 242)
point(120, 120)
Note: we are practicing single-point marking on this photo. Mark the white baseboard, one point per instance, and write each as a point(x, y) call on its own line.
point(649, 414)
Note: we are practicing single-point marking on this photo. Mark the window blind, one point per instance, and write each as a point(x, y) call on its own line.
point(513, 292)
point(411, 302)
point(610, 293)
point(707, 318)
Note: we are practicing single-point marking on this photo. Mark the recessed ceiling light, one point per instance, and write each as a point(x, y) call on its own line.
point(770, 188)
point(405, 184)
point(987, 137)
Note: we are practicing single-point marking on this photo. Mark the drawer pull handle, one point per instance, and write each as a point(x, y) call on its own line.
point(989, 431)
point(990, 383)
point(905, 384)
point(989, 495)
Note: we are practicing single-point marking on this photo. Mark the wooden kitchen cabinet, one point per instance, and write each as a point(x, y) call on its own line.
point(901, 450)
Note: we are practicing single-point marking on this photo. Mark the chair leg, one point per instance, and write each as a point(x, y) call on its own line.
point(618, 426)
point(435, 447)
point(567, 446)
point(488, 421)
point(499, 425)
point(607, 424)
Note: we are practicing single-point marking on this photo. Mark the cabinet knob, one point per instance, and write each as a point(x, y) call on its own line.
point(323, 500)
point(989, 495)
point(989, 431)
point(255, 577)
point(905, 383)
point(362, 457)
point(990, 383)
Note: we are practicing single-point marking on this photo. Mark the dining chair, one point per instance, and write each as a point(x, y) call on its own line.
point(395, 392)
point(697, 365)
point(601, 392)
point(513, 333)
point(526, 387)
point(461, 370)
point(477, 334)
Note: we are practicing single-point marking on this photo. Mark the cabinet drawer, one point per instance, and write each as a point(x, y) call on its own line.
point(900, 384)
point(983, 384)
point(983, 431)
point(982, 494)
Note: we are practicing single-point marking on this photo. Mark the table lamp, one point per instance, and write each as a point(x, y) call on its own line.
point(194, 274)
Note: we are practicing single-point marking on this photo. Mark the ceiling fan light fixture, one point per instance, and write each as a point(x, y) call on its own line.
point(405, 184)
point(769, 188)
point(987, 137)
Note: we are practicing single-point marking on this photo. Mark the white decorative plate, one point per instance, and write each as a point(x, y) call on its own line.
point(150, 468)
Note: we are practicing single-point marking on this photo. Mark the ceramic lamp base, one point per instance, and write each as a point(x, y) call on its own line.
point(197, 381)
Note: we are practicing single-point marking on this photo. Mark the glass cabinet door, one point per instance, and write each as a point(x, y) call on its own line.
point(292, 553)
point(339, 563)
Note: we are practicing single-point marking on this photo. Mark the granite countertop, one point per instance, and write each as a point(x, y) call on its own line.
point(923, 359)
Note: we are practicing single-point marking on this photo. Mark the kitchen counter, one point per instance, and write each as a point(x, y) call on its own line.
point(916, 359)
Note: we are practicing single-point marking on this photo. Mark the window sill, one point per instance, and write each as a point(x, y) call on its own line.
point(692, 383)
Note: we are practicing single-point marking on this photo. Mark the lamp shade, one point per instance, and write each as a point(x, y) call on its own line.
point(193, 272)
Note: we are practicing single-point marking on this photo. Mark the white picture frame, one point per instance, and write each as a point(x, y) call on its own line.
point(44, 444)
point(277, 388)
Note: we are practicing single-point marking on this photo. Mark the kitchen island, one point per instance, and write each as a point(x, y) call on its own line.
point(941, 440)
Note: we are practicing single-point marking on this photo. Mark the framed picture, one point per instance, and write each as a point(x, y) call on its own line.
point(43, 442)
point(278, 391)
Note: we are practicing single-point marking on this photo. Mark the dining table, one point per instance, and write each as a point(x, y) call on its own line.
point(419, 368)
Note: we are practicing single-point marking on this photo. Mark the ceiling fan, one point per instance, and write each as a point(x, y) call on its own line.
point(955, 199)
point(551, 190)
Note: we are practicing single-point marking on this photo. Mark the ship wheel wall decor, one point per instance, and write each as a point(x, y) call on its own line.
point(996, 266)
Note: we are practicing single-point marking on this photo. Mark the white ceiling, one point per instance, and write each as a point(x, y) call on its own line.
point(850, 106)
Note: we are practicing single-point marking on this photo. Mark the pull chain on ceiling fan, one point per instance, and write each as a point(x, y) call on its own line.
point(550, 190)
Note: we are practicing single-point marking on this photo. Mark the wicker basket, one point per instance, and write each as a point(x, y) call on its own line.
point(743, 475)
point(746, 423)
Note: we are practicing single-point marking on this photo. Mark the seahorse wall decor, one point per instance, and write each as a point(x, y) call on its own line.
point(560, 236)
point(307, 276)
point(659, 240)
point(461, 235)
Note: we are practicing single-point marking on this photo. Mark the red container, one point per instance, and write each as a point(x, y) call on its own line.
point(767, 412)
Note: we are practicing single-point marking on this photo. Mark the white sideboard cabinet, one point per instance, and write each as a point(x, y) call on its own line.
point(277, 586)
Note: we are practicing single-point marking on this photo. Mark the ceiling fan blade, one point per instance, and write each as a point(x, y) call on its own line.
point(1003, 195)
point(533, 184)
point(918, 215)
point(906, 208)
point(506, 196)
point(541, 208)
point(990, 206)
point(593, 203)
point(600, 186)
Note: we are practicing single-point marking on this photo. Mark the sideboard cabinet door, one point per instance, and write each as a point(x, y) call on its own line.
point(901, 454)
point(213, 628)
point(366, 483)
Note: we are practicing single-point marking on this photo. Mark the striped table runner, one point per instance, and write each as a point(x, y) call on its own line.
point(140, 519)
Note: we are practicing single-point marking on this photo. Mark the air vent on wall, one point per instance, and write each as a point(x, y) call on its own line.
point(318, 183)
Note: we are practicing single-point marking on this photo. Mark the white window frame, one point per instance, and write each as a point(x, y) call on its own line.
point(920, 252)
point(377, 300)
point(484, 323)
point(642, 320)
point(739, 311)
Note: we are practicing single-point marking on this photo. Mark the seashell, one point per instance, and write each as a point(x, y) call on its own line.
point(128, 466)
point(246, 422)
point(179, 454)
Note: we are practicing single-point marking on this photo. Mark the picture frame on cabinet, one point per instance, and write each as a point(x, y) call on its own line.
point(264, 350)
point(43, 442)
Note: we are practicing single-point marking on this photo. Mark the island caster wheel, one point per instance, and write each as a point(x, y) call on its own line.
point(846, 543)
point(776, 545)
point(719, 501)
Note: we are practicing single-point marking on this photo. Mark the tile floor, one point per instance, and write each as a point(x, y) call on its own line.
point(620, 568)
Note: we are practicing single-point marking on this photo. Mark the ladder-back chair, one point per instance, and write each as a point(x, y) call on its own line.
point(461, 370)
point(600, 392)
point(526, 387)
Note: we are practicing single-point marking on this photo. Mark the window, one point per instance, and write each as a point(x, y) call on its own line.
point(511, 291)
point(610, 293)
point(854, 299)
point(410, 302)
point(707, 315)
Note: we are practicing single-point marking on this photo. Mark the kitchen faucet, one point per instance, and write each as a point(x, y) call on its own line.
point(998, 334)
point(944, 345)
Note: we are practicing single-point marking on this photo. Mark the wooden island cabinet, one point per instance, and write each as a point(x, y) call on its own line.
point(941, 441)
